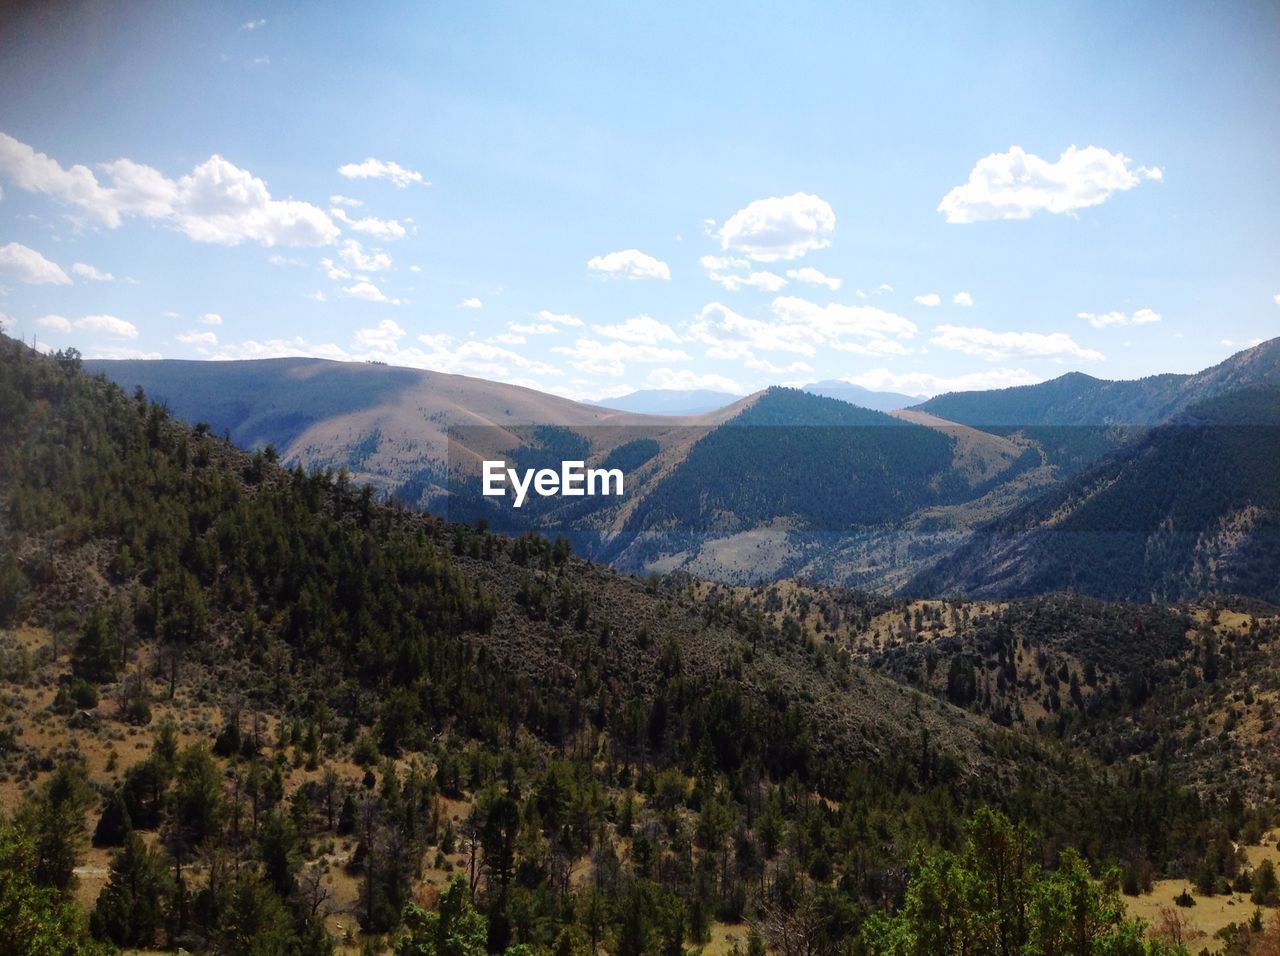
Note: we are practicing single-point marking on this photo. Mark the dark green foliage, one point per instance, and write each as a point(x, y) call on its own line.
point(97, 653)
point(129, 908)
point(1142, 522)
point(993, 897)
point(36, 920)
point(836, 467)
point(571, 704)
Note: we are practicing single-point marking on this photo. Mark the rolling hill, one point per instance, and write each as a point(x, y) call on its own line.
point(281, 711)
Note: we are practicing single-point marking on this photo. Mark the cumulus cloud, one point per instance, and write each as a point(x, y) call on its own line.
point(609, 358)
point(354, 255)
point(1017, 184)
point(211, 318)
point(995, 346)
point(963, 298)
point(53, 323)
point(201, 340)
point(630, 264)
point(1277, 298)
point(107, 325)
point(926, 384)
point(370, 225)
point(731, 336)
point(217, 202)
point(799, 327)
point(930, 299)
point(639, 328)
point(86, 271)
point(781, 227)
point(883, 288)
point(368, 292)
point(688, 380)
point(382, 336)
point(814, 277)
point(27, 265)
point(472, 303)
point(765, 281)
point(1106, 319)
point(836, 321)
point(372, 168)
point(559, 318)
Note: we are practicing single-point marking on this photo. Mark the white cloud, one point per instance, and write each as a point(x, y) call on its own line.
point(540, 328)
point(211, 318)
point(333, 270)
point(27, 265)
point(1277, 298)
point(814, 277)
point(836, 321)
point(610, 358)
point(559, 318)
point(217, 202)
point(765, 281)
point(368, 292)
point(354, 255)
point(7, 324)
point(925, 383)
point(687, 380)
point(86, 271)
point(510, 338)
point(640, 329)
point(122, 352)
point(472, 303)
point(630, 264)
point(1247, 344)
point(734, 337)
point(930, 299)
point(339, 200)
point(781, 227)
point(994, 346)
point(1017, 184)
point(107, 325)
point(372, 168)
point(370, 225)
point(201, 340)
point(883, 288)
point(963, 298)
point(381, 337)
point(253, 24)
point(1106, 319)
point(53, 323)
point(316, 296)
point(720, 263)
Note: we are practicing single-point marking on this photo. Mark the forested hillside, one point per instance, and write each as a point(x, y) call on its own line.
point(1190, 508)
point(274, 715)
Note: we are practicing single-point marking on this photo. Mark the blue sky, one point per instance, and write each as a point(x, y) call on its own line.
point(592, 198)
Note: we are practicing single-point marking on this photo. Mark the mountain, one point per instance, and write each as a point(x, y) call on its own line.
point(663, 401)
point(250, 708)
point(1190, 507)
point(777, 484)
point(857, 395)
point(1079, 399)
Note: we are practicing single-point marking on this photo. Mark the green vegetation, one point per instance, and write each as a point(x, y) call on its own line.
point(591, 762)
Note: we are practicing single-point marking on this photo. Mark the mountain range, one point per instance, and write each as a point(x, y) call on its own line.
point(966, 493)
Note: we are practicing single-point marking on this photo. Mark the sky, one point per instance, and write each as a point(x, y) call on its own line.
point(590, 199)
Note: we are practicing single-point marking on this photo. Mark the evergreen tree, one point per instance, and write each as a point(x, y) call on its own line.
point(128, 911)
